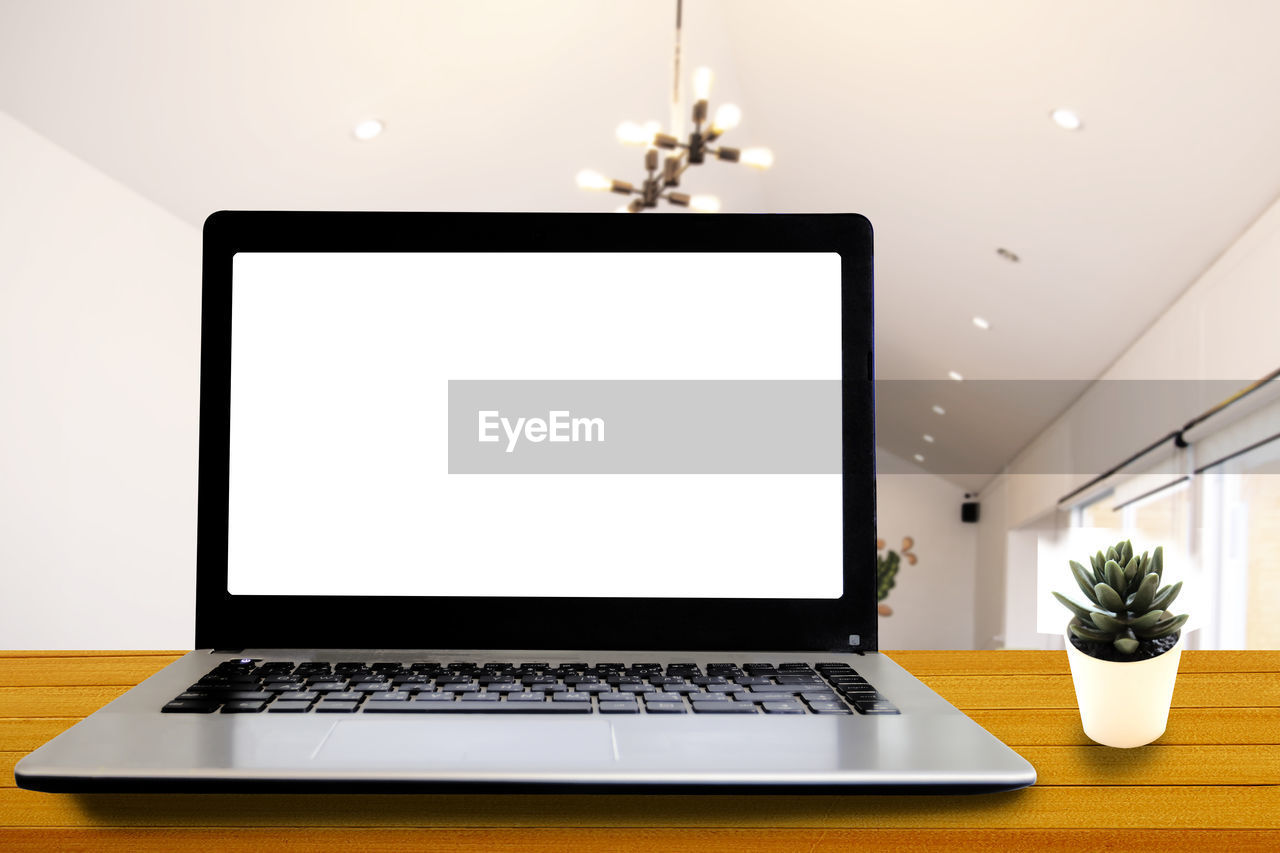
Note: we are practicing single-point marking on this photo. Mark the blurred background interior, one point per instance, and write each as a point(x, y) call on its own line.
point(1078, 254)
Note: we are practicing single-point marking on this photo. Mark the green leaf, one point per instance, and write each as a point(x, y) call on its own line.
point(1165, 597)
point(1095, 560)
point(1115, 577)
point(1140, 601)
point(1085, 581)
point(1108, 623)
point(1109, 598)
point(1126, 553)
point(1157, 561)
point(1097, 569)
point(1164, 627)
point(1145, 565)
point(1131, 570)
point(1111, 553)
point(1125, 646)
point(1146, 621)
point(1082, 612)
point(1089, 633)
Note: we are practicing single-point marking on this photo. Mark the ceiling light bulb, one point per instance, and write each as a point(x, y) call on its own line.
point(589, 180)
point(702, 83)
point(635, 134)
point(919, 458)
point(705, 203)
point(367, 129)
point(981, 323)
point(727, 118)
point(928, 438)
point(956, 376)
point(761, 158)
point(939, 410)
point(1066, 119)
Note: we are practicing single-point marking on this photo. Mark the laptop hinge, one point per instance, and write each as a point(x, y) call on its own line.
point(225, 651)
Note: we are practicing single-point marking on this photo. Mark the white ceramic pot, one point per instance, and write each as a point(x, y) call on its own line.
point(1124, 704)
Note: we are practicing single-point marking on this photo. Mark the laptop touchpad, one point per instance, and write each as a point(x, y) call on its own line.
point(461, 743)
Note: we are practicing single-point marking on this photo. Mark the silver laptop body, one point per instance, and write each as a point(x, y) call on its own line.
point(533, 501)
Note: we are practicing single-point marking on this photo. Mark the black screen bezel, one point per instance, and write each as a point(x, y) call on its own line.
point(225, 621)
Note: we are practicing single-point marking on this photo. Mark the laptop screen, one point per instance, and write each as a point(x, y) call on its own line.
point(565, 425)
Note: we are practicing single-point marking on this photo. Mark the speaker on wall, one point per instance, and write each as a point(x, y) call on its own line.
point(969, 510)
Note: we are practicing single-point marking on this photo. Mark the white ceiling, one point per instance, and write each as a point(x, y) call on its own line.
point(931, 118)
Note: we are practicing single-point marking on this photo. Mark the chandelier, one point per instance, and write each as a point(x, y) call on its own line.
point(664, 171)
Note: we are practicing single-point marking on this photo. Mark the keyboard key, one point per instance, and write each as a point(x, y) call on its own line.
point(782, 707)
point(828, 706)
point(780, 688)
point(724, 707)
point(819, 696)
point(243, 706)
point(298, 696)
point(619, 708)
point(326, 686)
point(434, 697)
point(876, 708)
point(572, 697)
point(391, 696)
point(480, 697)
point(190, 706)
point(285, 706)
point(526, 697)
point(830, 710)
point(713, 697)
point(664, 707)
point(337, 707)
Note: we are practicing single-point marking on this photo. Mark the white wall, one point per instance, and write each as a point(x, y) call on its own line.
point(1223, 327)
point(933, 601)
point(99, 338)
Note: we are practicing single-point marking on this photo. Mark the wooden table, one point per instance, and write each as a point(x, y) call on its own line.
point(1212, 781)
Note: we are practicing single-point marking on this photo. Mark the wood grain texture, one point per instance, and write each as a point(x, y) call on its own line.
point(96, 671)
point(1212, 782)
point(164, 840)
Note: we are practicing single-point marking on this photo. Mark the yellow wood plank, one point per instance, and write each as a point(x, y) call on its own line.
point(1192, 690)
point(1155, 764)
point(608, 840)
point(55, 701)
point(1189, 807)
point(102, 670)
point(1061, 727)
point(26, 735)
point(81, 653)
point(7, 761)
point(1022, 662)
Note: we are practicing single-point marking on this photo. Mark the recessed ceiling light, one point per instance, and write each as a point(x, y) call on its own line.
point(956, 376)
point(939, 410)
point(1065, 118)
point(367, 129)
point(928, 438)
point(981, 323)
point(919, 458)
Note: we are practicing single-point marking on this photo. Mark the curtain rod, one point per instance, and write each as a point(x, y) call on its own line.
point(1177, 435)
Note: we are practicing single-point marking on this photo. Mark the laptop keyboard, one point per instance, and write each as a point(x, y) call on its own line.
point(248, 686)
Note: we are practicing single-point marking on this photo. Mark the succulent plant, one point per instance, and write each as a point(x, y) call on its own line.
point(1125, 602)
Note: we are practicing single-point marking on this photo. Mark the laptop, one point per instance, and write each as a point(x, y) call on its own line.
point(533, 501)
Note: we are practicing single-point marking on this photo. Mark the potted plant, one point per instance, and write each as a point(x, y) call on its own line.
point(1123, 645)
